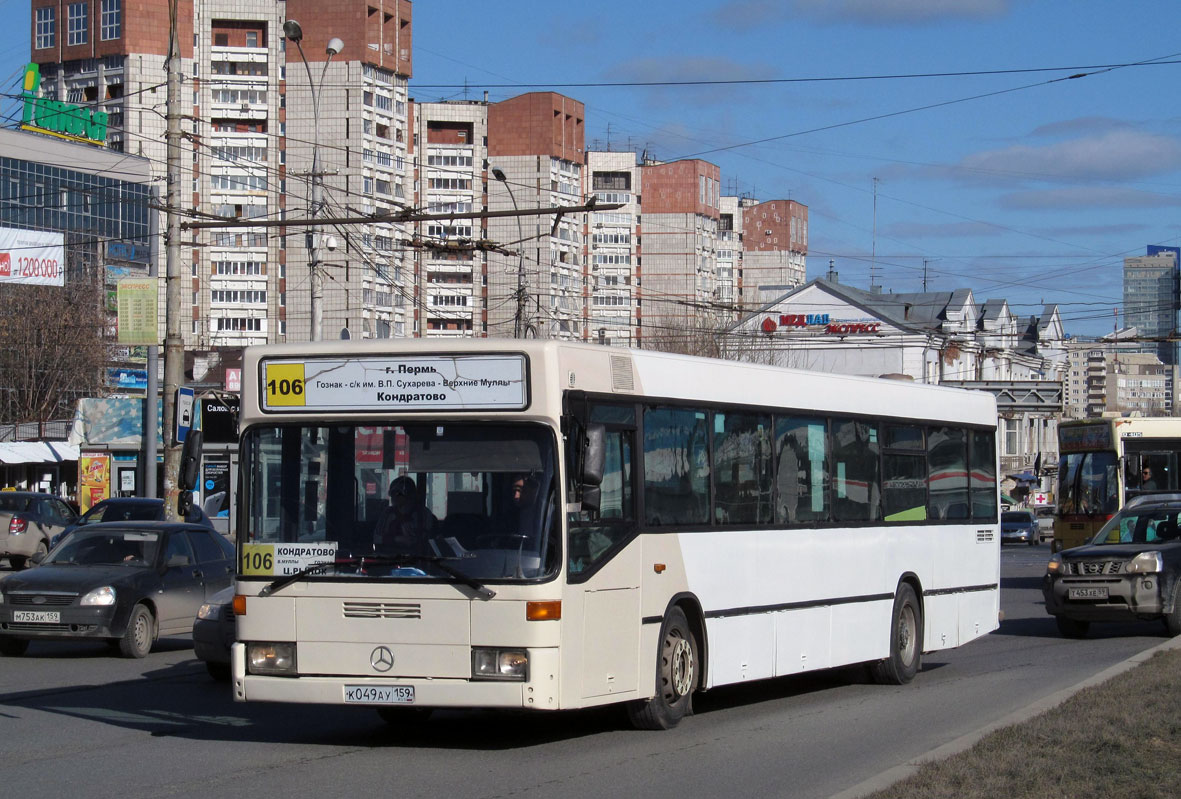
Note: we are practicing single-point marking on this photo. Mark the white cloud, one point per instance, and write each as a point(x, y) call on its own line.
point(1116, 155)
point(912, 230)
point(745, 14)
point(1089, 197)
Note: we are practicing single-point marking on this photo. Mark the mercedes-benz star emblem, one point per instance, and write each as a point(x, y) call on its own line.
point(381, 659)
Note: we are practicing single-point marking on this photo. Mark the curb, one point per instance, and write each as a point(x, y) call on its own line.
point(900, 772)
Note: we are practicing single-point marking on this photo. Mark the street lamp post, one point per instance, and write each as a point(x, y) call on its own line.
point(294, 33)
point(519, 321)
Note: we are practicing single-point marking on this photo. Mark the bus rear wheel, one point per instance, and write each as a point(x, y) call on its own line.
point(678, 669)
point(906, 641)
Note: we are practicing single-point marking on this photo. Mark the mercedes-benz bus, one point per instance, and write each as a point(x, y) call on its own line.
point(542, 525)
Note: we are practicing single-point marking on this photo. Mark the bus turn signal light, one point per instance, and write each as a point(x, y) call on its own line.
point(239, 605)
point(543, 611)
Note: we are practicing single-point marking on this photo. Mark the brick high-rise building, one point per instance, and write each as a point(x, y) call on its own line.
point(249, 127)
point(537, 141)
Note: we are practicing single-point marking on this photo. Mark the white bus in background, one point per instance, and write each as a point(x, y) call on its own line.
point(683, 524)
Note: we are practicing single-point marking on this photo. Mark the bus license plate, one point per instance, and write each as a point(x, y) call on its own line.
point(379, 694)
point(37, 616)
point(1086, 593)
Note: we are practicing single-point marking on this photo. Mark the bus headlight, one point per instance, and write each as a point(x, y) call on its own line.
point(500, 664)
point(273, 658)
point(1145, 562)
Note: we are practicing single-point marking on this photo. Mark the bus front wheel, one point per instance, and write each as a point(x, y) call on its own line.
point(678, 670)
point(906, 641)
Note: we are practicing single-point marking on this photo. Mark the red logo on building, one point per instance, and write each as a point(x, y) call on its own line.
point(5, 264)
point(769, 325)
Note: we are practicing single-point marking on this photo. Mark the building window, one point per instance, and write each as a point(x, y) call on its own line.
point(46, 27)
point(112, 19)
point(76, 24)
point(252, 38)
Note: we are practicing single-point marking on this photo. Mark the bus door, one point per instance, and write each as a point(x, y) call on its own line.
point(605, 581)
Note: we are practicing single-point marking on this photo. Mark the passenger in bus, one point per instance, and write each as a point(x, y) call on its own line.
point(1148, 479)
point(405, 524)
point(508, 520)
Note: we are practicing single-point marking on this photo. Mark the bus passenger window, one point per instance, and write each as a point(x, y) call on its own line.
point(742, 468)
point(801, 482)
point(676, 467)
point(856, 482)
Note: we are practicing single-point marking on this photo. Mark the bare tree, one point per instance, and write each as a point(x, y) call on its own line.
point(53, 350)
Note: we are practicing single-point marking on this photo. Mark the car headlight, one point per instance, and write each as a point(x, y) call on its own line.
point(1055, 564)
point(500, 664)
point(1145, 562)
point(272, 658)
point(210, 610)
point(99, 596)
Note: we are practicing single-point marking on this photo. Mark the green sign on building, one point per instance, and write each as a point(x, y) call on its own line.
point(57, 118)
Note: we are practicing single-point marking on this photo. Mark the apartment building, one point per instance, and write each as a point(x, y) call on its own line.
point(1111, 376)
point(775, 250)
point(677, 295)
point(537, 142)
point(251, 133)
point(613, 249)
point(451, 151)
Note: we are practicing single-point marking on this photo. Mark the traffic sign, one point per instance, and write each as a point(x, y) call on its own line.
point(184, 413)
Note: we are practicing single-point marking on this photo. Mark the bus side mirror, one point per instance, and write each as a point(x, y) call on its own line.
point(594, 458)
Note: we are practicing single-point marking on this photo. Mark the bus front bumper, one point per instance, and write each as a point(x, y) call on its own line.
point(540, 691)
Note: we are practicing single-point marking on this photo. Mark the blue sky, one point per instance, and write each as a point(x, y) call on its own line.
point(1023, 184)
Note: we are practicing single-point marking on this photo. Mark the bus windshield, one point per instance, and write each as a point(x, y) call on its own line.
point(1088, 484)
point(481, 497)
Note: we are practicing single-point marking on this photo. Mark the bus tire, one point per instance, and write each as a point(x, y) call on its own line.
point(906, 641)
point(678, 669)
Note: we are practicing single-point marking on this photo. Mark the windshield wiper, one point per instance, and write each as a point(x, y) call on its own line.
point(481, 590)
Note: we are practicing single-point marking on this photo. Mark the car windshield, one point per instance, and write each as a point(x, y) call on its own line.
point(481, 496)
point(1017, 516)
point(107, 547)
point(122, 512)
point(1141, 526)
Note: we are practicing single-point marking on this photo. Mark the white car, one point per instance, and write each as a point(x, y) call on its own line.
point(1045, 521)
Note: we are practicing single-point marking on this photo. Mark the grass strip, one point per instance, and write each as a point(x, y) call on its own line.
point(1117, 740)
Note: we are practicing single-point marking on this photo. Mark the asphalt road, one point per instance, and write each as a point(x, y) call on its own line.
point(77, 721)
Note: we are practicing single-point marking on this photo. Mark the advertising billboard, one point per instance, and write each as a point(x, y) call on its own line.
point(32, 257)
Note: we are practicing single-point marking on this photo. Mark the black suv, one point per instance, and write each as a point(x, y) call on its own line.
point(1128, 571)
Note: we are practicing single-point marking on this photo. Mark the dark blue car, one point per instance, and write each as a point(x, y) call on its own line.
point(127, 583)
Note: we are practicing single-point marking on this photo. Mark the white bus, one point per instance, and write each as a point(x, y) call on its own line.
point(544, 525)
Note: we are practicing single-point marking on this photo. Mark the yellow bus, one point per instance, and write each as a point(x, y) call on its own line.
point(1102, 463)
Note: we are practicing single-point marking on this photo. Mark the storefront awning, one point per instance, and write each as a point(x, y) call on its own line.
point(15, 452)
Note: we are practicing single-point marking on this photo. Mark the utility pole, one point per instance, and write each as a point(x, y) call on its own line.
point(173, 343)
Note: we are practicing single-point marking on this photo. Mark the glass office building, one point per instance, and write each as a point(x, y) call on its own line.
point(97, 198)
